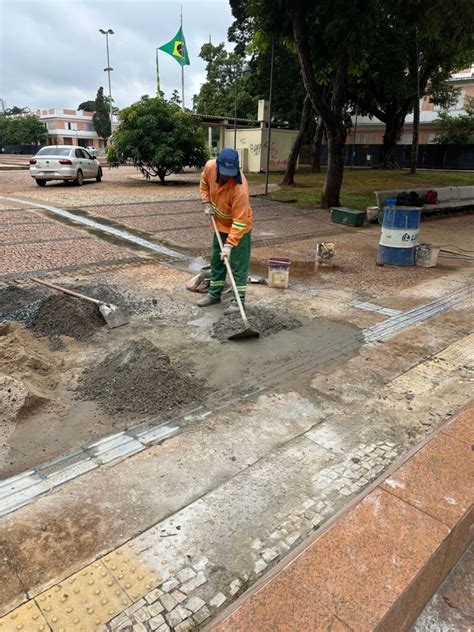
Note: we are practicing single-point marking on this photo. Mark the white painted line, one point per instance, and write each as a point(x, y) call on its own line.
point(104, 228)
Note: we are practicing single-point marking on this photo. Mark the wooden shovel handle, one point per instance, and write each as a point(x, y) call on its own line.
point(65, 291)
point(229, 270)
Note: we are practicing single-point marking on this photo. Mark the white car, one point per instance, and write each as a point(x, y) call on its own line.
point(64, 162)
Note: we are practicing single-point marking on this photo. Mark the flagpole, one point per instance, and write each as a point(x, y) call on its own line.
point(157, 75)
point(182, 65)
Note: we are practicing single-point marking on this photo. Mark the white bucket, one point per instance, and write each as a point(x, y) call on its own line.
point(426, 255)
point(372, 213)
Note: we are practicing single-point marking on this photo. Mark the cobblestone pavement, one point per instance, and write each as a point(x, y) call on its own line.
point(30, 242)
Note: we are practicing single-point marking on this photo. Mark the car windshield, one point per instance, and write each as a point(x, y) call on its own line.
point(54, 151)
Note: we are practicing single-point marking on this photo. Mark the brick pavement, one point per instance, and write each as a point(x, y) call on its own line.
point(32, 243)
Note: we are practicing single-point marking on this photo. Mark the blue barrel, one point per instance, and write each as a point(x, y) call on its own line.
point(399, 237)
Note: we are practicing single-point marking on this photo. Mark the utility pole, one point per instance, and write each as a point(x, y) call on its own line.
point(108, 70)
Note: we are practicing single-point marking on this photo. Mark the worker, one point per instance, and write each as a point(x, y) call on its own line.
point(225, 195)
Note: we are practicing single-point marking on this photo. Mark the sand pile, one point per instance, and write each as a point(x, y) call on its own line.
point(28, 371)
point(266, 321)
point(139, 378)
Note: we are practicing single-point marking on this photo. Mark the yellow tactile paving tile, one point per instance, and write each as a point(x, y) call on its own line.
point(25, 618)
point(84, 601)
point(134, 574)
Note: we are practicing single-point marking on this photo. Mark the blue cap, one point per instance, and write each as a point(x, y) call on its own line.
point(228, 162)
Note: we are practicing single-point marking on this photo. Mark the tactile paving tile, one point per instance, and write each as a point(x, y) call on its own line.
point(26, 618)
point(134, 574)
point(84, 601)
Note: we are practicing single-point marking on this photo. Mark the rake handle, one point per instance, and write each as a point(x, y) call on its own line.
point(65, 291)
point(229, 270)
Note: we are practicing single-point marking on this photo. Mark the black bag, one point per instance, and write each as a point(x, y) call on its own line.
point(409, 199)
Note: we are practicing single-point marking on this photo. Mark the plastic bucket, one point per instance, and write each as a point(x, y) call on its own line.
point(399, 237)
point(278, 272)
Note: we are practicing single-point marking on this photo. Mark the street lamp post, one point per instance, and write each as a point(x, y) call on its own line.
point(108, 71)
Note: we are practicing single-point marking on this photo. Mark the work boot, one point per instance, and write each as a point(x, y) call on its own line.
point(233, 308)
point(208, 300)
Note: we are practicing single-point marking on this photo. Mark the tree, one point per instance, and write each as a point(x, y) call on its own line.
point(87, 106)
point(175, 98)
point(16, 110)
point(457, 130)
point(415, 47)
point(158, 138)
point(28, 130)
point(330, 39)
point(225, 81)
point(101, 118)
point(289, 177)
point(32, 130)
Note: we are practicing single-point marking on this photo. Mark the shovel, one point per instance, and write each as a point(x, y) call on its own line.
point(247, 332)
point(113, 315)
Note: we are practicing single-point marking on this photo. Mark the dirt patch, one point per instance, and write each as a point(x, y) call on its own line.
point(139, 378)
point(266, 321)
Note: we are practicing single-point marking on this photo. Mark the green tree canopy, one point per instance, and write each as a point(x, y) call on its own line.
point(413, 42)
point(457, 130)
point(158, 138)
point(101, 118)
point(87, 106)
point(27, 130)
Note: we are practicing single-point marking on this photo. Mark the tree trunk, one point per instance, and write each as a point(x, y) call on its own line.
point(332, 185)
point(316, 147)
point(329, 107)
point(289, 177)
point(393, 132)
point(416, 105)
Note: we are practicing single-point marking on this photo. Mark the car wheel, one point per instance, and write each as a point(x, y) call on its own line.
point(79, 178)
point(41, 183)
point(98, 177)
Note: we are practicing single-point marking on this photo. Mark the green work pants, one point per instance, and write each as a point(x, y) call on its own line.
point(239, 263)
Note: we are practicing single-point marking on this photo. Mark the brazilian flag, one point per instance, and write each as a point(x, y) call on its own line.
point(177, 48)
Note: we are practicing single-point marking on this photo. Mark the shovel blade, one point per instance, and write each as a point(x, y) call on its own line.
point(246, 333)
point(113, 315)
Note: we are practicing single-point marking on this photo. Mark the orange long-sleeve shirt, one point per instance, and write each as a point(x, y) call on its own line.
point(231, 203)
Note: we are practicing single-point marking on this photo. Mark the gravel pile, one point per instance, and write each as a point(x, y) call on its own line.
point(266, 321)
point(139, 378)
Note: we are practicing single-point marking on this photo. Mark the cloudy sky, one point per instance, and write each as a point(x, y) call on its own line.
point(52, 54)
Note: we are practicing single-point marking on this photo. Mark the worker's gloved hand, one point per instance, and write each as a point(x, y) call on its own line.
point(226, 251)
point(209, 210)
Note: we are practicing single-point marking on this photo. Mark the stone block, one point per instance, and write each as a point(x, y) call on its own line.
point(218, 600)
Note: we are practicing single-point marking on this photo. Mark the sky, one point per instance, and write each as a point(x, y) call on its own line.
point(53, 56)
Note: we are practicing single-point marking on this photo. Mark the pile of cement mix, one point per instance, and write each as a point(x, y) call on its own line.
point(19, 303)
point(64, 315)
point(138, 378)
point(266, 321)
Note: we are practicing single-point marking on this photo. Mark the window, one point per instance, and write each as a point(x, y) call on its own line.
point(54, 151)
point(70, 125)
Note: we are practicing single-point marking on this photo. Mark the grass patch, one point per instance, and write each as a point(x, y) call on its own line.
point(359, 184)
